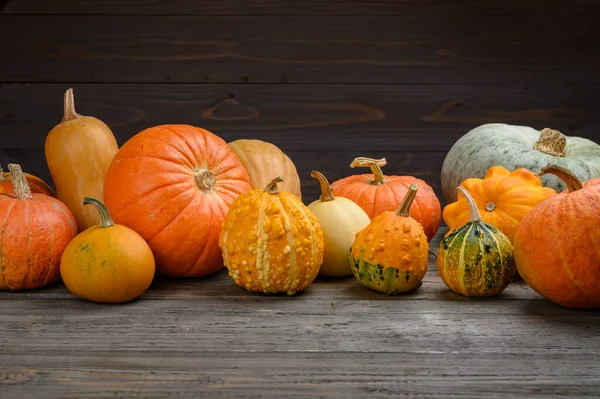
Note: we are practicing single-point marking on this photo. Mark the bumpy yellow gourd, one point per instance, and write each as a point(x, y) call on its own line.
point(271, 242)
point(340, 219)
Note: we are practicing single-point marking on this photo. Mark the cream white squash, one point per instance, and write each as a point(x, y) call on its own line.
point(516, 147)
point(340, 219)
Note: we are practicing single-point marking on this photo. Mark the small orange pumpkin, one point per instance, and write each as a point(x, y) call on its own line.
point(36, 229)
point(377, 193)
point(503, 198)
point(36, 184)
point(390, 254)
point(557, 244)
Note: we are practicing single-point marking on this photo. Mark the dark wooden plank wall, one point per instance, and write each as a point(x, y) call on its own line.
point(324, 80)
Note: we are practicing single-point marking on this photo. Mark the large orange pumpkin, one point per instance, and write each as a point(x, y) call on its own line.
point(503, 198)
point(36, 184)
point(36, 229)
point(377, 193)
point(557, 244)
point(173, 185)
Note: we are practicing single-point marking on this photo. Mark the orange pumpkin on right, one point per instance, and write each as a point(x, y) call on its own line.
point(557, 244)
point(376, 193)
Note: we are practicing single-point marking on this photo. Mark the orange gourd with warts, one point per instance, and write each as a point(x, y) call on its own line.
point(503, 198)
point(390, 255)
point(557, 244)
point(36, 184)
point(271, 242)
point(173, 185)
point(376, 193)
point(78, 151)
point(107, 263)
point(36, 229)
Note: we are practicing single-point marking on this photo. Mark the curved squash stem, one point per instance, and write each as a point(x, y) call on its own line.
point(404, 209)
point(105, 218)
point(572, 182)
point(273, 187)
point(374, 164)
point(19, 182)
point(326, 194)
point(69, 106)
point(551, 142)
point(205, 179)
point(475, 215)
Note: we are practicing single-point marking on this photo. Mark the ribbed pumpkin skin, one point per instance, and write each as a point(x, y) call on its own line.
point(263, 160)
point(375, 199)
point(35, 232)
point(153, 186)
point(36, 184)
point(557, 247)
point(271, 243)
point(503, 199)
point(476, 260)
point(390, 255)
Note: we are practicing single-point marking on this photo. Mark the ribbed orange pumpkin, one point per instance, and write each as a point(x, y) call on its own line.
point(173, 185)
point(36, 184)
point(36, 229)
point(557, 244)
point(503, 198)
point(271, 242)
point(377, 193)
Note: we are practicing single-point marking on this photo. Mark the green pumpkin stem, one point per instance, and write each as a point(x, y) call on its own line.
point(273, 187)
point(105, 218)
point(19, 182)
point(551, 142)
point(475, 215)
point(326, 194)
point(572, 182)
point(375, 165)
point(69, 107)
point(404, 209)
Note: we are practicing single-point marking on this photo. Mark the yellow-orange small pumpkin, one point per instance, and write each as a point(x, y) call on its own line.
point(107, 262)
point(390, 255)
point(503, 198)
point(376, 193)
point(271, 242)
point(557, 244)
point(36, 229)
point(262, 160)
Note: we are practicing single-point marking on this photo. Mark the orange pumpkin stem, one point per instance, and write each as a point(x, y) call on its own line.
point(572, 182)
point(105, 218)
point(19, 182)
point(404, 209)
point(273, 187)
point(205, 179)
point(69, 107)
point(326, 194)
point(374, 164)
point(551, 142)
point(475, 215)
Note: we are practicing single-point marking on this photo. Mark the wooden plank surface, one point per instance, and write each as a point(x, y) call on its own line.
point(415, 118)
point(509, 49)
point(210, 338)
point(308, 7)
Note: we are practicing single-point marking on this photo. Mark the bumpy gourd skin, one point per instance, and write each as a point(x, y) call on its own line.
point(476, 260)
point(390, 255)
point(271, 243)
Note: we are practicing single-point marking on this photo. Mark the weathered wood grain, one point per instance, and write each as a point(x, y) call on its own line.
point(411, 118)
point(158, 374)
point(334, 164)
point(509, 49)
point(309, 7)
